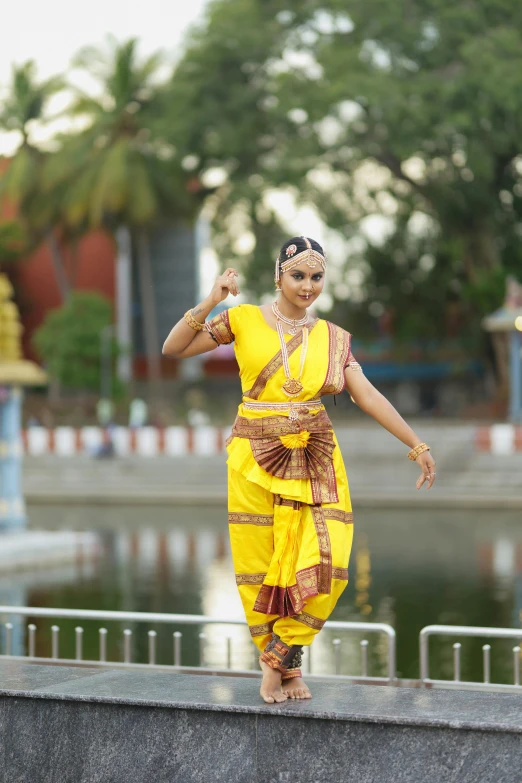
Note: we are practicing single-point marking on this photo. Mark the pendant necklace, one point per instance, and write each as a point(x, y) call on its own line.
point(292, 387)
point(291, 322)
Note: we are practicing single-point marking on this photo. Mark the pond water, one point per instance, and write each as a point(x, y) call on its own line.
point(408, 568)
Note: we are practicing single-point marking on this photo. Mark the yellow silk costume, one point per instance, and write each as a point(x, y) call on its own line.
point(290, 515)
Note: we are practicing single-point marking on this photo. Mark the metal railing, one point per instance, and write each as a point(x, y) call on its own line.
point(476, 632)
point(194, 619)
point(182, 619)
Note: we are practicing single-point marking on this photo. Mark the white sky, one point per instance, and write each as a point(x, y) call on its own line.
point(52, 31)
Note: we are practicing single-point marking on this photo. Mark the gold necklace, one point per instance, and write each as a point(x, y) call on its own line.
point(292, 387)
point(293, 323)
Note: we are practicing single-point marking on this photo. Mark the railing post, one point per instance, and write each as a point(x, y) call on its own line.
point(487, 662)
point(456, 661)
point(229, 652)
point(364, 657)
point(103, 644)
point(152, 647)
point(55, 632)
point(127, 638)
point(423, 656)
point(177, 647)
point(8, 638)
point(79, 643)
point(32, 640)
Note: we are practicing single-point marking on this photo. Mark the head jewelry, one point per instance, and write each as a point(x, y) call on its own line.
point(310, 256)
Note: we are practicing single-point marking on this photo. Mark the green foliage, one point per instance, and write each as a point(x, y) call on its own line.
point(13, 241)
point(117, 170)
point(308, 97)
point(69, 341)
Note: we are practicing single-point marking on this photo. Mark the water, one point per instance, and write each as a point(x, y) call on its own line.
point(408, 568)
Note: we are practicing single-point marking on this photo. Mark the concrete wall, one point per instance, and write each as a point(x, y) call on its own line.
point(69, 725)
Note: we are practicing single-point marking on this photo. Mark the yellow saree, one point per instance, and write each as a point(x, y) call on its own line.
point(290, 515)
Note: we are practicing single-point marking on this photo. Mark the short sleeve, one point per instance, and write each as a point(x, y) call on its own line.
point(223, 327)
point(351, 361)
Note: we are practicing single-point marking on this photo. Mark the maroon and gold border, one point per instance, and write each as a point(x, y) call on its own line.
point(339, 514)
point(324, 578)
point(220, 329)
point(251, 579)
point(338, 353)
point(241, 518)
point(262, 628)
point(308, 619)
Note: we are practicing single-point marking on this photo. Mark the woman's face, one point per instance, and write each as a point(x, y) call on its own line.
point(302, 284)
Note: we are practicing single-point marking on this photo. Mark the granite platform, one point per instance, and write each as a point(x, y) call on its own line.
point(63, 724)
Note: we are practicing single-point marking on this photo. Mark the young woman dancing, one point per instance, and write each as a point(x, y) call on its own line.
point(289, 510)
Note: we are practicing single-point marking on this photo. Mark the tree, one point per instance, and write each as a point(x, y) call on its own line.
point(13, 243)
point(69, 341)
point(116, 174)
point(26, 103)
point(364, 110)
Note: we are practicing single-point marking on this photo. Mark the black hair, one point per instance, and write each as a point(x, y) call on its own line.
point(300, 245)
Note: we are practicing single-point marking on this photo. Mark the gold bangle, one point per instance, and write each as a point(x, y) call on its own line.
point(196, 325)
point(419, 449)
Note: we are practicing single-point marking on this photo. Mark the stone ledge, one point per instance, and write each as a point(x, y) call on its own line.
point(62, 723)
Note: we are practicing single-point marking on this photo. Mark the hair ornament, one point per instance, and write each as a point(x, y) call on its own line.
point(309, 256)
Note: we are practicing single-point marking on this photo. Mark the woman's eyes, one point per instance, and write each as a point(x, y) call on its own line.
point(314, 277)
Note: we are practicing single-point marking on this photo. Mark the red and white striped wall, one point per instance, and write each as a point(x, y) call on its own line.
point(143, 441)
point(499, 439)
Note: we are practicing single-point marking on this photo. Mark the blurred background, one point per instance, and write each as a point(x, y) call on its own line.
point(144, 148)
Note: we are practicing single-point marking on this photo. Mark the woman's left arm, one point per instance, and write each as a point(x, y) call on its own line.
point(375, 404)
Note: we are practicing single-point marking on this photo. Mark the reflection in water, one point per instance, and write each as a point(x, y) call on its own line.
point(408, 569)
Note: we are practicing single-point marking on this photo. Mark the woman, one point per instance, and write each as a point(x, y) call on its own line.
point(290, 515)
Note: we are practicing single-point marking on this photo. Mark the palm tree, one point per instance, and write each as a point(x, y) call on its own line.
point(118, 173)
point(26, 102)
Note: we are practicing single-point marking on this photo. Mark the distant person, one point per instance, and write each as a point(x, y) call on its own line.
point(138, 413)
point(105, 416)
point(104, 411)
point(290, 514)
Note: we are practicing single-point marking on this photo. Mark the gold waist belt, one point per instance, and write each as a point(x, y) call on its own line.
point(295, 409)
point(270, 426)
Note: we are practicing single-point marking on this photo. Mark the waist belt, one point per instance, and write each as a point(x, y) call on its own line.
point(271, 426)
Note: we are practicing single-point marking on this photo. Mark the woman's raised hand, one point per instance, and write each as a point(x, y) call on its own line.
point(225, 284)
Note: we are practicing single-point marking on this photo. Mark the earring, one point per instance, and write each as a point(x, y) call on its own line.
point(277, 285)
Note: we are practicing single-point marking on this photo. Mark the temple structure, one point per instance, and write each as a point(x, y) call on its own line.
point(15, 373)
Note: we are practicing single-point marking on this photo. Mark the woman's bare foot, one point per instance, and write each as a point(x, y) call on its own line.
point(296, 688)
point(271, 684)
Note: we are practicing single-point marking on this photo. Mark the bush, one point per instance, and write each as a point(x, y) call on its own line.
point(69, 342)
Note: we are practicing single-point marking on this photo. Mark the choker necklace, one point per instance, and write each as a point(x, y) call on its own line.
point(291, 322)
point(292, 387)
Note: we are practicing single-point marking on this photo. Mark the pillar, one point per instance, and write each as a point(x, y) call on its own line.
point(515, 402)
point(12, 506)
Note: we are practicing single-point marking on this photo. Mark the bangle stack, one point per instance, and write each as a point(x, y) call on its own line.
point(196, 325)
point(414, 453)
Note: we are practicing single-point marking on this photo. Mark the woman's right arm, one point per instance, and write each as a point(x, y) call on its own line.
point(183, 341)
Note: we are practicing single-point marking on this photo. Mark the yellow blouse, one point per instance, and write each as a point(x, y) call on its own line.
point(257, 350)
